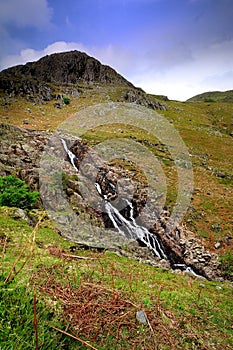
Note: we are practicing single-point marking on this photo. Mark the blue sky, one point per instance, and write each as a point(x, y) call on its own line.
point(178, 48)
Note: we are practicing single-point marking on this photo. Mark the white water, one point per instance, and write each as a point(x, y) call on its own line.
point(129, 228)
point(70, 154)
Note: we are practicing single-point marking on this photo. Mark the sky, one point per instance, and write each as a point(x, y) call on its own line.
point(177, 48)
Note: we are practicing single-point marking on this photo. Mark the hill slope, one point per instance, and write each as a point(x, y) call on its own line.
point(213, 96)
point(110, 301)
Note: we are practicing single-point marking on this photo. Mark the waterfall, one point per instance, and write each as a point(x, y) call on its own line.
point(71, 155)
point(128, 227)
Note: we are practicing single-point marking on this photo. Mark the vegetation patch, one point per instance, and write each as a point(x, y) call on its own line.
point(15, 193)
point(91, 300)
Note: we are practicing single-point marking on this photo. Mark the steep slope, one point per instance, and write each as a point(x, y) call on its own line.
point(65, 68)
point(68, 75)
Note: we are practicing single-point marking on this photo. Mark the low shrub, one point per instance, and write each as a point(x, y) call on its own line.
point(66, 100)
point(15, 193)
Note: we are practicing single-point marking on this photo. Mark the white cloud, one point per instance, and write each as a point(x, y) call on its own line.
point(30, 55)
point(22, 13)
point(115, 56)
point(209, 69)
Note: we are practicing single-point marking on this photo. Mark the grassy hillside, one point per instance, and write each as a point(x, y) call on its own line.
point(205, 128)
point(91, 300)
point(206, 131)
point(95, 296)
point(213, 96)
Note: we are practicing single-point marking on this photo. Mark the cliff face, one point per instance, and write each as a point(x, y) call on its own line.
point(63, 68)
point(70, 73)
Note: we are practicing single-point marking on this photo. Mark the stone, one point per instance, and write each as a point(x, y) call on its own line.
point(139, 97)
point(206, 257)
point(201, 260)
point(217, 245)
point(218, 287)
point(229, 240)
point(141, 316)
point(20, 214)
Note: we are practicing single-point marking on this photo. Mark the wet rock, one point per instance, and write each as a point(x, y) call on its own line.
point(21, 152)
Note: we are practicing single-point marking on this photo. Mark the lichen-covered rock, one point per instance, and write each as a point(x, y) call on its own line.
point(20, 154)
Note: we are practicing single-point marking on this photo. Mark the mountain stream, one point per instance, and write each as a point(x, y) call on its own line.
point(127, 226)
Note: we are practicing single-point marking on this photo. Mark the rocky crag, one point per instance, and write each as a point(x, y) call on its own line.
point(68, 73)
point(21, 151)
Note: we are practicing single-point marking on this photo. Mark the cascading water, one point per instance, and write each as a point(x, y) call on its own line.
point(128, 227)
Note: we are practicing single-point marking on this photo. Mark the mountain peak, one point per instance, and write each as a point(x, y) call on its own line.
point(71, 67)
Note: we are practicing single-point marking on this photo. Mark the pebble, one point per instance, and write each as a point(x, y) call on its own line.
point(141, 316)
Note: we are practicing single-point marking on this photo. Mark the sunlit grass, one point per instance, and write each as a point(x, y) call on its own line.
point(193, 313)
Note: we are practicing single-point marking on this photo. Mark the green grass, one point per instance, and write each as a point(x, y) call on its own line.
point(17, 317)
point(183, 313)
point(214, 96)
point(194, 314)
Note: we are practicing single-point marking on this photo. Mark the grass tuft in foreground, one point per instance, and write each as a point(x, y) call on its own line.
point(92, 300)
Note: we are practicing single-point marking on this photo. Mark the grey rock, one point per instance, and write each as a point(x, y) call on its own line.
point(218, 287)
point(34, 79)
point(20, 214)
point(217, 245)
point(141, 316)
point(141, 98)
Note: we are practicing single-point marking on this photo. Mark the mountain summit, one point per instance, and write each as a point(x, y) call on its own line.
point(66, 68)
point(69, 73)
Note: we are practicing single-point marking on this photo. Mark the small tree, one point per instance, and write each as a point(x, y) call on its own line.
point(15, 193)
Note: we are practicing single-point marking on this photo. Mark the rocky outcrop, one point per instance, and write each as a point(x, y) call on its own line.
point(21, 151)
point(140, 97)
point(31, 88)
point(69, 68)
point(69, 73)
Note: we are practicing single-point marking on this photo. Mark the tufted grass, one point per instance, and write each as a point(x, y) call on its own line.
point(194, 314)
